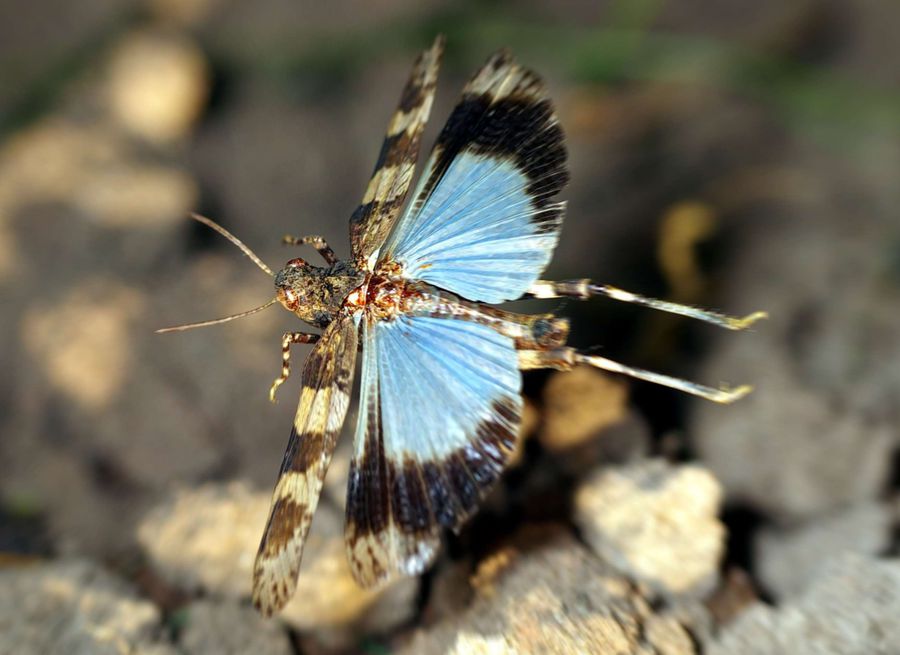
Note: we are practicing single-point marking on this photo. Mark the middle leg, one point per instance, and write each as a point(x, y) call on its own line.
point(316, 242)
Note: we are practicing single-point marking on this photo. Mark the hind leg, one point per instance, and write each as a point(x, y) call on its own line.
point(287, 341)
point(565, 358)
point(584, 289)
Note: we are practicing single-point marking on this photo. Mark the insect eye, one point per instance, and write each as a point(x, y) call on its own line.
point(297, 262)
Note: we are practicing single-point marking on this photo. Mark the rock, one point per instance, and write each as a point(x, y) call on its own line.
point(734, 594)
point(818, 433)
point(206, 538)
point(93, 168)
point(584, 420)
point(90, 222)
point(547, 594)
point(851, 608)
point(100, 316)
point(474, 644)
point(655, 522)
point(158, 85)
point(227, 629)
point(624, 442)
point(77, 608)
point(450, 589)
point(793, 460)
point(578, 406)
point(788, 560)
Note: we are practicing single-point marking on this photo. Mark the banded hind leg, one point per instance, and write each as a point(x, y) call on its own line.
point(564, 358)
point(287, 340)
point(584, 289)
point(316, 242)
point(540, 340)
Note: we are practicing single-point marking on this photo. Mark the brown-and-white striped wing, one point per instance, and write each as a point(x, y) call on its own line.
point(324, 398)
point(439, 415)
point(390, 181)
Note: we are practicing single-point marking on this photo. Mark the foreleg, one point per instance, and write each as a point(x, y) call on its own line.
point(287, 340)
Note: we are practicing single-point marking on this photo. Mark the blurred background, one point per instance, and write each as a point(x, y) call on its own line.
point(735, 155)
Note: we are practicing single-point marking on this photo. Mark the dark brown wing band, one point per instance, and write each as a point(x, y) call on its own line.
point(324, 398)
point(390, 181)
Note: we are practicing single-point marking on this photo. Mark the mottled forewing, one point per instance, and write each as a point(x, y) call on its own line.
point(390, 181)
point(325, 395)
point(439, 416)
point(484, 220)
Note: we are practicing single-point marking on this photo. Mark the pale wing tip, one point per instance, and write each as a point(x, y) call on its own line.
point(423, 554)
point(369, 577)
point(271, 589)
point(411, 556)
point(264, 604)
point(430, 59)
point(369, 562)
point(431, 56)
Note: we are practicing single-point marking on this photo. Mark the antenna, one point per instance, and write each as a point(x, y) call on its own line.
point(228, 235)
point(216, 321)
point(244, 249)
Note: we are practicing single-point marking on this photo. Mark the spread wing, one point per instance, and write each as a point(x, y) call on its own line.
point(327, 380)
point(484, 223)
point(386, 193)
point(439, 414)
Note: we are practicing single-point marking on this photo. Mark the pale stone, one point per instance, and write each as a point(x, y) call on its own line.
point(547, 594)
point(655, 522)
point(852, 608)
point(157, 85)
point(789, 559)
point(77, 608)
point(229, 629)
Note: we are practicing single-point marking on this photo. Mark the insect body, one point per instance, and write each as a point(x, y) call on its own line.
point(440, 402)
point(316, 294)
